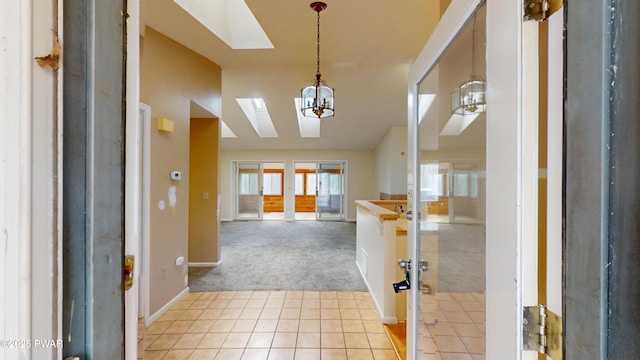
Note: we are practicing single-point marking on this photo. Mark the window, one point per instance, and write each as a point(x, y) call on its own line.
point(474, 185)
point(272, 183)
point(249, 184)
point(311, 184)
point(299, 184)
point(335, 184)
point(461, 184)
point(431, 182)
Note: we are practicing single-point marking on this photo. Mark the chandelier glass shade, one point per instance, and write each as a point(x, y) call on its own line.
point(470, 97)
point(317, 98)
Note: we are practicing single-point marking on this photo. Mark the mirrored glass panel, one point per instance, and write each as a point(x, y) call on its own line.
point(452, 143)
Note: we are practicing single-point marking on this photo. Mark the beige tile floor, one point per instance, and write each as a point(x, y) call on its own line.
point(269, 325)
point(308, 325)
point(453, 326)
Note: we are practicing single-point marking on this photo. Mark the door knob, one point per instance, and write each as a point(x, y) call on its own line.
point(424, 265)
point(404, 264)
point(409, 215)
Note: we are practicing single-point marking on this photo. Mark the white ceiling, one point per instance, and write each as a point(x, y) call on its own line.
point(367, 48)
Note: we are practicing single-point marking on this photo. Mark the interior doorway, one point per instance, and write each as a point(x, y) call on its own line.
point(260, 190)
point(319, 190)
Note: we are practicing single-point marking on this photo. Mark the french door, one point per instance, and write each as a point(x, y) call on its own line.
point(249, 190)
point(330, 190)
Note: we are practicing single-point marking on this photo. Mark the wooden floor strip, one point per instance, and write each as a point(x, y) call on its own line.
point(398, 335)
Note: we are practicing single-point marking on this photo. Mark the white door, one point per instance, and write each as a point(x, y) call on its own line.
point(507, 200)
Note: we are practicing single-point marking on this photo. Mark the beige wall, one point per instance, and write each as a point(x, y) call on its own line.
point(360, 170)
point(391, 162)
point(204, 231)
point(171, 78)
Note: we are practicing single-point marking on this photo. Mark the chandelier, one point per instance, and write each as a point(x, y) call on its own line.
point(317, 98)
point(469, 98)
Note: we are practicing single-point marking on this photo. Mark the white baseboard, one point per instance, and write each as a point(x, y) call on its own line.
point(152, 318)
point(204, 264)
point(389, 320)
point(384, 319)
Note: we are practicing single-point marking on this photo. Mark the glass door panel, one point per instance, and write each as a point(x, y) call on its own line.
point(449, 233)
point(465, 197)
point(330, 191)
point(249, 190)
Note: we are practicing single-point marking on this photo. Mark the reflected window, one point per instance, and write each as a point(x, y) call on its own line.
point(431, 182)
point(461, 184)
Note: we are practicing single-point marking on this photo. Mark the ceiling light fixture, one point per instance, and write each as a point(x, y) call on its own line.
point(317, 98)
point(469, 98)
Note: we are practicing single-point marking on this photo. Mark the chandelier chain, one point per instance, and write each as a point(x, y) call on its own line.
point(318, 62)
point(473, 48)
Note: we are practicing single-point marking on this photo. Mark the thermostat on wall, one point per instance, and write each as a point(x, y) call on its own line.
point(175, 175)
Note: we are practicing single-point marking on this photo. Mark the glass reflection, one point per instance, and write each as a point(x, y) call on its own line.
point(452, 195)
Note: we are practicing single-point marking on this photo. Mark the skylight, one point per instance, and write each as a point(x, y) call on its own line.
point(424, 103)
point(457, 124)
point(230, 20)
point(256, 111)
point(226, 131)
point(309, 126)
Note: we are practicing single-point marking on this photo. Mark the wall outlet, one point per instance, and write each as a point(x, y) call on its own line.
point(163, 273)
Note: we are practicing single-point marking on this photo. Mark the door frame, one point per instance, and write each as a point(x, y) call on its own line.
point(136, 167)
point(511, 196)
point(602, 156)
point(452, 189)
point(236, 188)
point(343, 168)
point(30, 180)
point(234, 184)
point(143, 262)
point(93, 181)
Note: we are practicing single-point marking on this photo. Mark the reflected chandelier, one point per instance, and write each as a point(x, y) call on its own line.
point(470, 97)
point(317, 98)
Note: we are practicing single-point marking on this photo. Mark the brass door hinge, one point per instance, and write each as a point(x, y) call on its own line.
point(542, 331)
point(127, 273)
point(540, 10)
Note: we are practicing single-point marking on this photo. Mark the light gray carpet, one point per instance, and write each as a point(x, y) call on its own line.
point(461, 258)
point(280, 255)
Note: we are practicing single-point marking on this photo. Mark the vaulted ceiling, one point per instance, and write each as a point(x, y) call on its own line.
point(367, 48)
